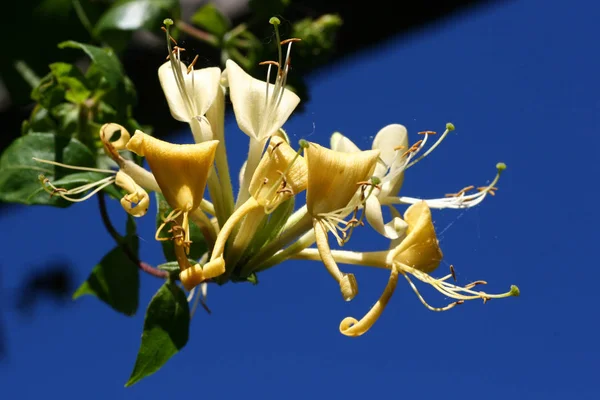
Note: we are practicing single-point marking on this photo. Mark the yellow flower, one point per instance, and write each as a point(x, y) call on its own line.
point(331, 195)
point(420, 248)
point(181, 171)
point(280, 175)
point(417, 254)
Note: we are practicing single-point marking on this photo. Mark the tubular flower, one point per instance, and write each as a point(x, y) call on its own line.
point(333, 178)
point(181, 171)
point(417, 254)
point(281, 174)
point(390, 141)
point(261, 108)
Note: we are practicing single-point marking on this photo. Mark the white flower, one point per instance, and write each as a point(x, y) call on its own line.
point(260, 108)
point(392, 142)
point(189, 92)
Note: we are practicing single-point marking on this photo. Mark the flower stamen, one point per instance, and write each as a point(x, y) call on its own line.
point(456, 200)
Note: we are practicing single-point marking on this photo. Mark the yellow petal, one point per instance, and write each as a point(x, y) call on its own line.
point(181, 170)
point(280, 160)
point(420, 248)
point(137, 201)
point(333, 177)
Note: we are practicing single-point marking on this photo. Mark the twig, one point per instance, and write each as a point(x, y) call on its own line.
point(147, 268)
point(197, 33)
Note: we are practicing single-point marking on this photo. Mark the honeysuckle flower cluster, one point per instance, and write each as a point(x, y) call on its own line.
point(260, 229)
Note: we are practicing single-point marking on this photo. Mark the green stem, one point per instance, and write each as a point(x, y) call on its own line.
point(289, 252)
point(147, 268)
point(201, 35)
point(298, 224)
point(83, 18)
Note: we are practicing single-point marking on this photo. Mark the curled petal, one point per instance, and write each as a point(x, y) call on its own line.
point(347, 282)
point(197, 94)
point(392, 230)
point(193, 276)
point(260, 108)
point(107, 132)
point(137, 201)
point(352, 327)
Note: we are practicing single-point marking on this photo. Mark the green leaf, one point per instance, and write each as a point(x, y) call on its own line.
point(132, 15)
point(67, 116)
point(19, 173)
point(198, 246)
point(40, 120)
point(105, 59)
point(49, 93)
point(115, 280)
point(211, 19)
point(74, 82)
point(173, 266)
point(166, 331)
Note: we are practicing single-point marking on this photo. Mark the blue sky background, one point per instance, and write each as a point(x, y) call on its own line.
point(519, 81)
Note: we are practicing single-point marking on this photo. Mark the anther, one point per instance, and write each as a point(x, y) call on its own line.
point(276, 146)
point(460, 192)
point(413, 148)
point(290, 40)
point(490, 190)
point(190, 68)
point(427, 133)
point(275, 63)
point(473, 284)
point(453, 273)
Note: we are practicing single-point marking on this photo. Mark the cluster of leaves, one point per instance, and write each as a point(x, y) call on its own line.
point(72, 103)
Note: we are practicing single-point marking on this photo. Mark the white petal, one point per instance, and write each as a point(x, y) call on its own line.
point(401, 227)
point(201, 129)
point(342, 144)
point(392, 230)
point(256, 115)
point(201, 87)
point(241, 174)
point(388, 138)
